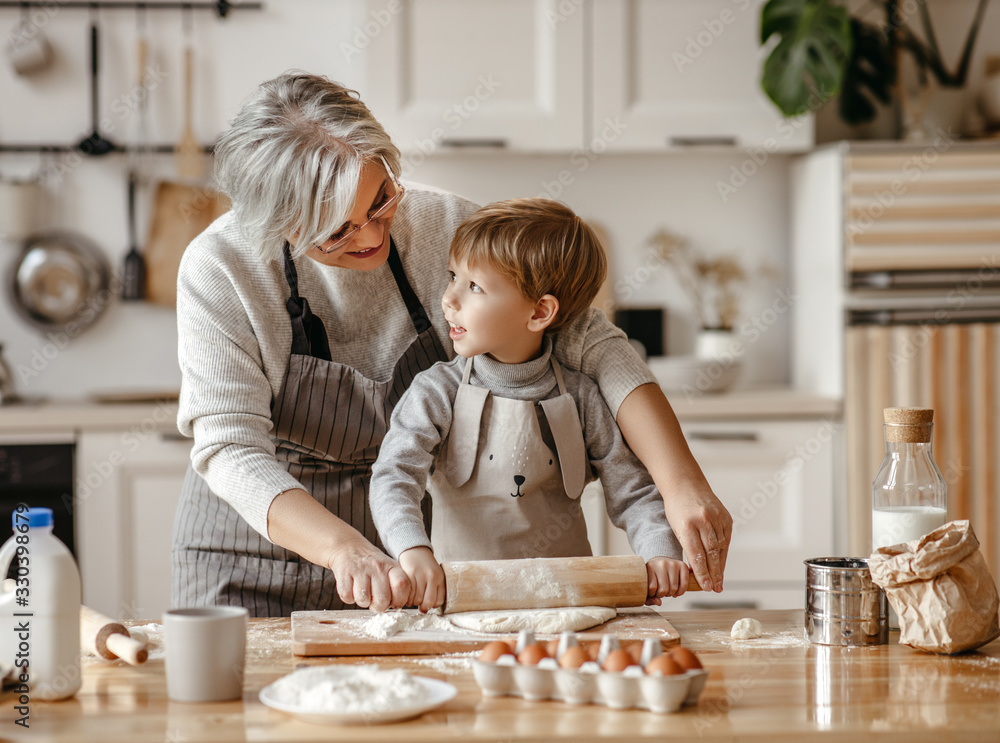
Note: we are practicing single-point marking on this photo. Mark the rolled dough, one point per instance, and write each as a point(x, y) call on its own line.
point(746, 629)
point(568, 619)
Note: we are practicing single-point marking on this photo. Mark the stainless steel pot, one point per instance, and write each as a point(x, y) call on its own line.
point(60, 282)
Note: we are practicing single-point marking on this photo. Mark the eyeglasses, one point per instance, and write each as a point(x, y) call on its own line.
point(379, 214)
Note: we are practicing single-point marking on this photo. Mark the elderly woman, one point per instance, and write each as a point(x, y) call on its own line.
point(303, 314)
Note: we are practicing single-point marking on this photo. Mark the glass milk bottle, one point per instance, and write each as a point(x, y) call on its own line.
point(909, 492)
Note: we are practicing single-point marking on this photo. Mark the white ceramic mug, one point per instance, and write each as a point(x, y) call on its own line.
point(205, 650)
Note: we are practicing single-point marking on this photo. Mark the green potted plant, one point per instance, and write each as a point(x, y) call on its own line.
point(823, 51)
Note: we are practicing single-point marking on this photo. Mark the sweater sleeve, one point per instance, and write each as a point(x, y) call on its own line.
point(420, 423)
point(592, 344)
point(630, 496)
point(225, 395)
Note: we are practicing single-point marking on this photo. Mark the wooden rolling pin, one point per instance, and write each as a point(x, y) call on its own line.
point(109, 639)
point(547, 582)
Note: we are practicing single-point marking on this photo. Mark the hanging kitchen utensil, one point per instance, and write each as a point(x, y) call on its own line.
point(28, 51)
point(60, 282)
point(190, 159)
point(8, 393)
point(180, 214)
point(94, 144)
point(134, 273)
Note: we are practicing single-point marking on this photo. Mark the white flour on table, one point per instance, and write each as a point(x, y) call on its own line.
point(389, 623)
point(449, 664)
point(347, 690)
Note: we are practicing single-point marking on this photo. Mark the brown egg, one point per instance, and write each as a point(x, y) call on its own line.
point(494, 650)
point(593, 650)
point(664, 665)
point(574, 657)
point(552, 647)
point(635, 650)
point(618, 660)
point(531, 655)
point(685, 658)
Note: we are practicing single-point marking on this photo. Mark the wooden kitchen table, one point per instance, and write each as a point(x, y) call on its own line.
point(777, 688)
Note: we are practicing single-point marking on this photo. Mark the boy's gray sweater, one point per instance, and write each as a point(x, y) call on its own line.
point(419, 429)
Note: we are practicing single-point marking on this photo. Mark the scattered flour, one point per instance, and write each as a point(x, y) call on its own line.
point(768, 640)
point(449, 664)
point(347, 689)
point(389, 623)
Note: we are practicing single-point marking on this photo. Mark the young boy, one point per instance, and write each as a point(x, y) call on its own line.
point(502, 437)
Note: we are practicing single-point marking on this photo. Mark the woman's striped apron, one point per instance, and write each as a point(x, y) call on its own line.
point(329, 421)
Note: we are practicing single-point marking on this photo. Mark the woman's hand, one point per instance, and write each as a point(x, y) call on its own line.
point(704, 527)
point(426, 576)
point(365, 575)
point(368, 577)
point(702, 524)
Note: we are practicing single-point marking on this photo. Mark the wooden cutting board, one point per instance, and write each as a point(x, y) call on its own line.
point(180, 214)
point(333, 633)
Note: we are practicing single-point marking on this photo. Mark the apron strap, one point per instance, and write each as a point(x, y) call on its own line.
point(308, 332)
point(418, 316)
point(463, 439)
point(567, 432)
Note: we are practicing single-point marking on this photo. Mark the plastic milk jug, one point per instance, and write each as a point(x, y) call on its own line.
point(40, 617)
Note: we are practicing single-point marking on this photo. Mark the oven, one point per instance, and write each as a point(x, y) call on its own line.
point(38, 471)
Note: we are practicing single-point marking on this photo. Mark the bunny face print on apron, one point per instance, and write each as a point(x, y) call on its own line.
point(329, 420)
point(500, 491)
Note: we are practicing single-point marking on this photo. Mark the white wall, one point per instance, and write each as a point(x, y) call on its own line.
point(134, 345)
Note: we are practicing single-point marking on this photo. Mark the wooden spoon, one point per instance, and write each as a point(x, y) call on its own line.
point(189, 157)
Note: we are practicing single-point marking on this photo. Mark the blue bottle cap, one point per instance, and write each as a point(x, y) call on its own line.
point(36, 517)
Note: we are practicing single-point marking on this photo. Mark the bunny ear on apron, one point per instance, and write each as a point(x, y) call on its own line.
point(463, 440)
point(567, 432)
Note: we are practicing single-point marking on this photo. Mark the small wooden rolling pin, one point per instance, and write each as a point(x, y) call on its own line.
point(547, 582)
point(109, 639)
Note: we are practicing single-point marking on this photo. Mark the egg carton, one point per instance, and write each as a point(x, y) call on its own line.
point(628, 689)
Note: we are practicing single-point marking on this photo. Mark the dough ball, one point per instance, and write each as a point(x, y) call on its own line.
point(746, 629)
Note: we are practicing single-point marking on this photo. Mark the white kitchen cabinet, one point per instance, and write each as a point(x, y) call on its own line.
point(446, 74)
point(676, 73)
point(564, 75)
point(775, 477)
point(128, 485)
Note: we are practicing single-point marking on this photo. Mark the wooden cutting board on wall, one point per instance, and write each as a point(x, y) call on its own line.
point(336, 633)
point(180, 214)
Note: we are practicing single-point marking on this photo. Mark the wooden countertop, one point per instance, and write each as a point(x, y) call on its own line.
point(777, 688)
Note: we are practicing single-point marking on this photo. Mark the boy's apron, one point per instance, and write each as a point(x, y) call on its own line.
point(500, 491)
point(329, 421)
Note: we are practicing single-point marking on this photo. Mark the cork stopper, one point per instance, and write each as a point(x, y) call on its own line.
point(908, 425)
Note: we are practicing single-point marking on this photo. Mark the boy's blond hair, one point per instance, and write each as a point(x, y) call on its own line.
point(541, 246)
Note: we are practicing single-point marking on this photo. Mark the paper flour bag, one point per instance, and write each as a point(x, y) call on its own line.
point(941, 590)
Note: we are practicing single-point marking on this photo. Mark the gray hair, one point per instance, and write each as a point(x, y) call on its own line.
point(292, 157)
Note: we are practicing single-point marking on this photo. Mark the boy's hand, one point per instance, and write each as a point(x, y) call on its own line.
point(666, 577)
point(425, 575)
